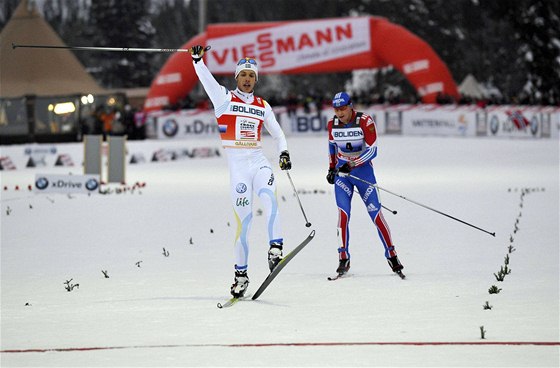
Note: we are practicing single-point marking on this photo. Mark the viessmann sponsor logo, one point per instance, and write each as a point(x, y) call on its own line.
point(291, 45)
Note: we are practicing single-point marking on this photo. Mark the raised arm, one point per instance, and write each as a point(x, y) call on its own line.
point(218, 94)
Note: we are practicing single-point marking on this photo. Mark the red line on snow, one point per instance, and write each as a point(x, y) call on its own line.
point(297, 344)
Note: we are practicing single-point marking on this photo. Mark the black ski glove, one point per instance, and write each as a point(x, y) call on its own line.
point(196, 53)
point(344, 169)
point(285, 163)
point(331, 174)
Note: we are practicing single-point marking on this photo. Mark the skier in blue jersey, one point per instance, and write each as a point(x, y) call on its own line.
point(352, 147)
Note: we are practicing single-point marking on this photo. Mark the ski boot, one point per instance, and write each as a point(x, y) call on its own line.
point(396, 266)
point(343, 267)
point(274, 254)
point(240, 284)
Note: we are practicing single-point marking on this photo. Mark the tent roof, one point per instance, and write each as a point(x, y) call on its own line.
point(41, 72)
point(470, 87)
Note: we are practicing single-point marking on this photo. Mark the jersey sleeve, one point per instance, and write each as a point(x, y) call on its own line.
point(274, 128)
point(332, 146)
point(218, 94)
point(370, 140)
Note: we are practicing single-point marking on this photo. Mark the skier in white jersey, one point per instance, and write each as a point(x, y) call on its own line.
point(241, 116)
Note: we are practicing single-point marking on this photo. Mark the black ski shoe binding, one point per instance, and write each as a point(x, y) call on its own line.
point(396, 266)
point(343, 266)
point(240, 284)
point(274, 255)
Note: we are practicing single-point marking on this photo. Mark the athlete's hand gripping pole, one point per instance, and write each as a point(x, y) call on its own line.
point(197, 52)
point(284, 161)
point(416, 203)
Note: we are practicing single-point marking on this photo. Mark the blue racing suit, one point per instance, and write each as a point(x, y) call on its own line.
point(355, 143)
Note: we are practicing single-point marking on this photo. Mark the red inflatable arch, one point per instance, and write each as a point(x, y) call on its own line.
point(315, 46)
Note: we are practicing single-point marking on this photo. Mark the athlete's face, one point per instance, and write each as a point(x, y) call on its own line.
point(344, 113)
point(246, 80)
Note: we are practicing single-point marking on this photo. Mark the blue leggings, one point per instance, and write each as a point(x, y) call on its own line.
point(344, 190)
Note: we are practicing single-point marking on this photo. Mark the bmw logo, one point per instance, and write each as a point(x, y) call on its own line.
point(92, 184)
point(170, 128)
point(241, 188)
point(41, 183)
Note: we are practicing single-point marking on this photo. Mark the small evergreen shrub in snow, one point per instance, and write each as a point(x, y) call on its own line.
point(494, 289)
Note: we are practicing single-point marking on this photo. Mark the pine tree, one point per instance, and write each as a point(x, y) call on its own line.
point(123, 23)
point(536, 28)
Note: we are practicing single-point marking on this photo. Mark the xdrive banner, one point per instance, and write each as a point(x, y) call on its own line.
point(47, 183)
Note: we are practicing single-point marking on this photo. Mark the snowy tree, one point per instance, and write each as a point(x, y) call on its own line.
point(176, 22)
point(512, 45)
point(7, 7)
point(536, 26)
point(123, 23)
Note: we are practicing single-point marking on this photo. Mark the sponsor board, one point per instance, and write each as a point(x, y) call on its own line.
point(163, 155)
point(315, 122)
point(291, 45)
point(309, 123)
point(183, 125)
point(405, 119)
point(38, 154)
point(76, 184)
point(393, 122)
point(448, 121)
point(537, 123)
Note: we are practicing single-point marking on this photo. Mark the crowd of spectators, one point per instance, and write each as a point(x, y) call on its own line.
point(113, 120)
point(311, 101)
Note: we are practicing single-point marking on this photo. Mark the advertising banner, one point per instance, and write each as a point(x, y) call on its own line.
point(39, 155)
point(522, 122)
point(301, 122)
point(402, 119)
point(439, 120)
point(315, 122)
point(328, 45)
point(289, 46)
point(75, 184)
point(187, 124)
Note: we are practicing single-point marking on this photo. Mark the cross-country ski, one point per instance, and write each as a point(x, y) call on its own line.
point(282, 264)
point(232, 301)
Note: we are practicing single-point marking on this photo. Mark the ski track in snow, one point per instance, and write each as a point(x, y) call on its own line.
point(158, 310)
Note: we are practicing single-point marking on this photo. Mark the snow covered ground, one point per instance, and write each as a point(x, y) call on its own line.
point(157, 310)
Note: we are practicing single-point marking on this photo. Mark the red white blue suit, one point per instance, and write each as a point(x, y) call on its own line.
point(355, 142)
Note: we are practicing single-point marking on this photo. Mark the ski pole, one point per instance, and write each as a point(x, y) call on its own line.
point(388, 209)
point(393, 212)
point(96, 48)
point(307, 223)
point(419, 204)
